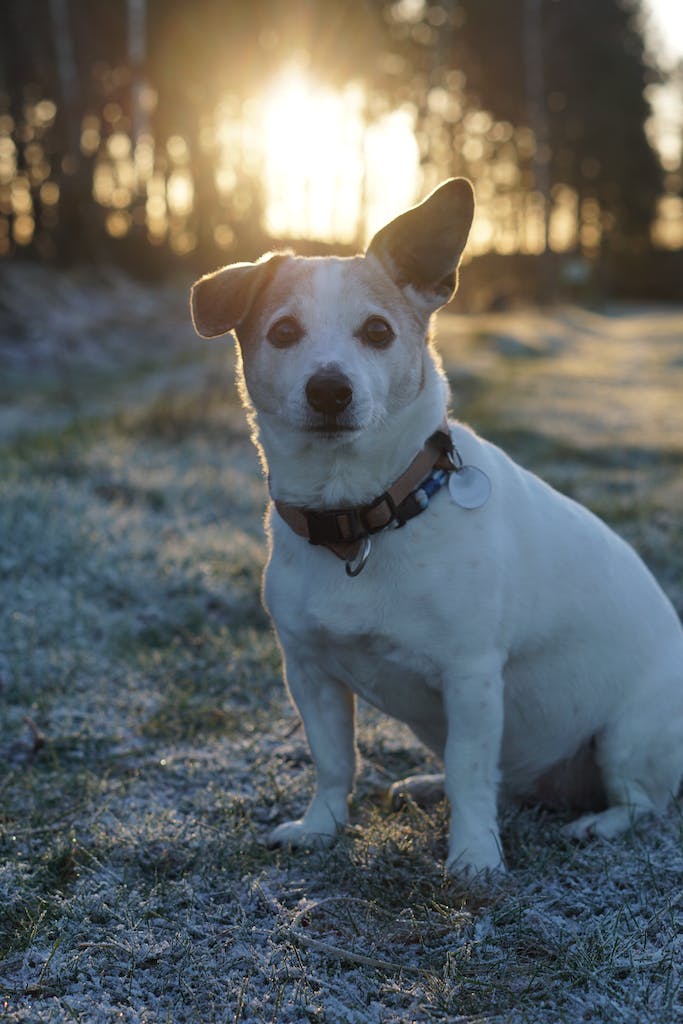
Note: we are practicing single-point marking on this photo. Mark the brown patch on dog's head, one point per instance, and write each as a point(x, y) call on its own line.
point(421, 248)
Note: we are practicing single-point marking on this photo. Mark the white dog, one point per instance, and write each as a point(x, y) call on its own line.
point(523, 642)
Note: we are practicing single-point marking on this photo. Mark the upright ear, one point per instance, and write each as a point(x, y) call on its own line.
point(222, 300)
point(422, 247)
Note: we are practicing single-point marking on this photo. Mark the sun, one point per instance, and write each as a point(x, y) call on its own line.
point(329, 173)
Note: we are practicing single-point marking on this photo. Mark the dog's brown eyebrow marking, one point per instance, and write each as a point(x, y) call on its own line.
point(386, 292)
point(276, 297)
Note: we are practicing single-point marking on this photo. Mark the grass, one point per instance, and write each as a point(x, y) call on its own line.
point(147, 747)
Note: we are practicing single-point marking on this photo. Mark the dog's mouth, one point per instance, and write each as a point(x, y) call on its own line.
point(331, 426)
point(332, 430)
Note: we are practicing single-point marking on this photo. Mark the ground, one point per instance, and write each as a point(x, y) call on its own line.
point(147, 746)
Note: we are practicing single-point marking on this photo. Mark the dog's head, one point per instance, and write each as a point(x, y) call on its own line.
point(332, 345)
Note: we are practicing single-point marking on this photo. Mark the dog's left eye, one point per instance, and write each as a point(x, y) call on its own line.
point(377, 332)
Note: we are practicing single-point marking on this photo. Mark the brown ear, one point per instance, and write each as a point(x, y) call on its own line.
point(222, 300)
point(422, 247)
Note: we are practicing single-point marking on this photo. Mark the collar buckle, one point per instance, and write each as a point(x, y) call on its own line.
point(341, 526)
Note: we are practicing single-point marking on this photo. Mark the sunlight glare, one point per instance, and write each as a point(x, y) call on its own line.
point(312, 139)
point(328, 174)
point(393, 160)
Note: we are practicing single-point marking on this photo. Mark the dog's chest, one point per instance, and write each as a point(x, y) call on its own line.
point(375, 637)
point(383, 669)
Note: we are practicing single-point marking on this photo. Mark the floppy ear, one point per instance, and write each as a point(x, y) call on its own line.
point(422, 247)
point(222, 300)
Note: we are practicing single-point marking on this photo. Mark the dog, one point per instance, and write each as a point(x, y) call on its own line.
point(417, 566)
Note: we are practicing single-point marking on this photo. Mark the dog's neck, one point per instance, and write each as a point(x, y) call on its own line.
point(313, 473)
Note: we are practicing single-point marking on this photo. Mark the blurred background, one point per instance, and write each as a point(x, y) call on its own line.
point(161, 135)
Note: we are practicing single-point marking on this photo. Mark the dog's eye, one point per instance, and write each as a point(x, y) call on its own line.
point(376, 332)
point(285, 331)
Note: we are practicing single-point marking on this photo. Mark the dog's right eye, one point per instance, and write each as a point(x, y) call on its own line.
point(376, 332)
point(285, 331)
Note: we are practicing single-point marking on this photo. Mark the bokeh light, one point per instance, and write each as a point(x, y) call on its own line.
point(299, 139)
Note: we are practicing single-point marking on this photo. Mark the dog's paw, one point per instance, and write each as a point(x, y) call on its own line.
point(604, 825)
point(477, 862)
point(581, 829)
point(424, 790)
point(297, 834)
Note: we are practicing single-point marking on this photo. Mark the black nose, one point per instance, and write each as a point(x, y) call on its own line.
point(329, 391)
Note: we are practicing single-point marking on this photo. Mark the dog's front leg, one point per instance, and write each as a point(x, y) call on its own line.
point(473, 700)
point(327, 709)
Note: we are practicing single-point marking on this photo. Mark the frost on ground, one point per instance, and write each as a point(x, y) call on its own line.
point(147, 747)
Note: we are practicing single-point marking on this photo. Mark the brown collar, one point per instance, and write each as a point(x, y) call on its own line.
point(344, 531)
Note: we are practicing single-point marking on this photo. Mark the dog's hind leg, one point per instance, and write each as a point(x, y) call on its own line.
point(640, 758)
point(327, 708)
point(632, 803)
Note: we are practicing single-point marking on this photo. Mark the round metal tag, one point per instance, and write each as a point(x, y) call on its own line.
point(469, 487)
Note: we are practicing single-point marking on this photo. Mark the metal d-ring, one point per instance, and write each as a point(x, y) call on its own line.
point(455, 459)
point(356, 567)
